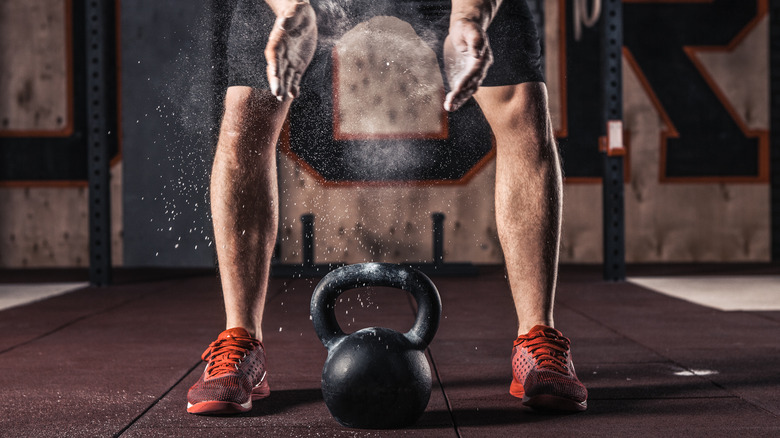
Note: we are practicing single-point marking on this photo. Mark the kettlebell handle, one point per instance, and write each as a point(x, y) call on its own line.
point(323, 300)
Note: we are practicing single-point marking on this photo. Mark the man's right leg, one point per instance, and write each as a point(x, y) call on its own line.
point(244, 201)
point(244, 206)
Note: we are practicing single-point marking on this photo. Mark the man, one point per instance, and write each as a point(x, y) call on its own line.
point(528, 192)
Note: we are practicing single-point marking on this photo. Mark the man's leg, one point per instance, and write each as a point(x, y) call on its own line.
point(528, 216)
point(244, 201)
point(244, 205)
point(528, 196)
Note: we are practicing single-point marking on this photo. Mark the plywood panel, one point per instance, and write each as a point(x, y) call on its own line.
point(406, 106)
point(742, 75)
point(47, 226)
point(673, 222)
point(665, 222)
point(685, 222)
point(33, 60)
point(393, 223)
point(356, 223)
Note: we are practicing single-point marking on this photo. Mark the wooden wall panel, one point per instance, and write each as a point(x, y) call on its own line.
point(674, 221)
point(47, 226)
point(742, 75)
point(690, 222)
point(665, 222)
point(34, 73)
point(27, 243)
point(392, 223)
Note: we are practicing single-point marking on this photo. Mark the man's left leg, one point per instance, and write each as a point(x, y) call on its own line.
point(528, 200)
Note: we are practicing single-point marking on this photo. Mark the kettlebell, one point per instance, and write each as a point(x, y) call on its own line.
point(376, 378)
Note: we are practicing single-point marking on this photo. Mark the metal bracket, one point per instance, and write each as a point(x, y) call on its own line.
point(613, 190)
point(310, 269)
point(99, 28)
point(439, 267)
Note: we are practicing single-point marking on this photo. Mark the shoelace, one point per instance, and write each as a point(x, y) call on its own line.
point(224, 355)
point(548, 349)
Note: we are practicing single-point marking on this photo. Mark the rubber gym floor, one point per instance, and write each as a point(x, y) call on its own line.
point(118, 360)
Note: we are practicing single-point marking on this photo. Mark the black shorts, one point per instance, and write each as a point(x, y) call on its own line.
point(512, 35)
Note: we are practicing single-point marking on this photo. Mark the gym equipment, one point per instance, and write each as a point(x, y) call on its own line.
point(309, 268)
point(376, 378)
point(612, 120)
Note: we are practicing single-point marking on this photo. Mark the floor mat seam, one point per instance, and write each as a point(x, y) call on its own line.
point(413, 307)
point(158, 399)
point(71, 323)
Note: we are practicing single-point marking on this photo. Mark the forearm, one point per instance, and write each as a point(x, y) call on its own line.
point(278, 6)
point(479, 11)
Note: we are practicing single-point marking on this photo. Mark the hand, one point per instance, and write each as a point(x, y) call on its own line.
point(290, 49)
point(467, 57)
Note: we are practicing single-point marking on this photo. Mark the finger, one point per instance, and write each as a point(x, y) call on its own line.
point(452, 97)
point(289, 74)
point(273, 84)
point(477, 70)
point(273, 76)
point(457, 98)
point(460, 99)
point(448, 102)
point(270, 55)
point(273, 56)
point(295, 86)
point(454, 104)
point(282, 65)
point(471, 67)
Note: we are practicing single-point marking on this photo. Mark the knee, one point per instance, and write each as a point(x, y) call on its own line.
point(238, 99)
point(240, 105)
point(253, 115)
point(522, 115)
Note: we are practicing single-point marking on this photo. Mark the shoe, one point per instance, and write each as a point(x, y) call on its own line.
point(543, 373)
point(234, 375)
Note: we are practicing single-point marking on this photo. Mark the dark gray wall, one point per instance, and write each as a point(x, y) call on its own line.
point(168, 125)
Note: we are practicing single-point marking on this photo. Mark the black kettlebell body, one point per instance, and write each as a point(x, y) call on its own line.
point(376, 378)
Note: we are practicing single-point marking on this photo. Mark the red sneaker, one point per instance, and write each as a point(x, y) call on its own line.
point(543, 373)
point(233, 378)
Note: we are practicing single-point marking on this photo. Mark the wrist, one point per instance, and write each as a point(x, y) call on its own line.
point(471, 17)
point(480, 13)
point(280, 6)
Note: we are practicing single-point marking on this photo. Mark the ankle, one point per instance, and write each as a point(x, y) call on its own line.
point(525, 327)
point(251, 329)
